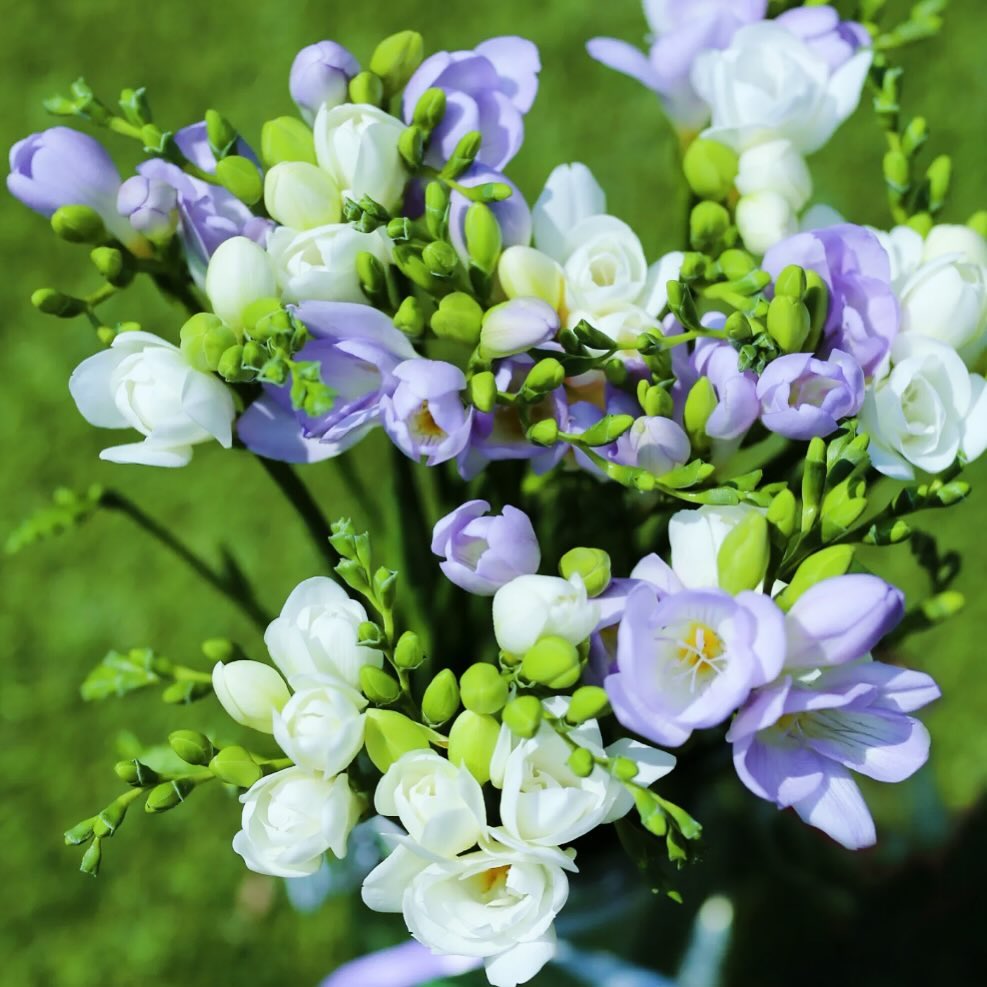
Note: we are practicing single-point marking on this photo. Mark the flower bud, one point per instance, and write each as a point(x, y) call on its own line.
point(589, 702)
point(624, 768)
point(408, 652)
point(472, 740)
point(544, 432)
point(464, 154)
point(378, 686)
point(483, 237)
point(792, 282)
point(544, 377)
point(459, 316)
point(655, 401)
point(516, 326)
point(742, 560)
point(240, 176)
point(483, 689)
point(235, 766)
point(191, 746)
point(91, 859)
point(286, 139)
point(204, 340)
point(523, 716)
point(411, 146)
point(167, 795)
point(592, 564)
point(410, 317)
point(710, 168)
point(735, 263)
point(112, 265)
point(135, 773)
point(319, 77)
point(783, 512)
point(390, 734)
point(483, 391)
point(78, 224)
point(829, 562)
point(699, 405)
point(150, 205)
point(441, 698)
point(581, 762)
point(239, 273)
point(80, 833)
point(788, 323)
point(250, 692)
point(440, 258)
point(230, 366)
point(396, 58)
point(764, 219)
point(57, 303)
point(430, 109)
point(301, 195)
point(708, 225)
point(528, 273)
point(220, 133)
point(366, 89)
point(553, 662)
point(939, 177)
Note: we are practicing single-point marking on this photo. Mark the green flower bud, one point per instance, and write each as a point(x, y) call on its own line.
point(408, 652)
point(440, 258)
point(915, 135)
point(221, 134)
point(783, 512)
point(135, 773)
point(710, 168)
point(411, 146)
point(380, 687)
point(523, 716)
point(80, 833)
point(369, 634)
point(265, 318)
point(230, 365)
point(608, 429)
point(235, 766)
point(623, 768)
point(543, 378)
point(483, 391)
point(655, 401)
point(581, 762)
point(921, 223)
point(788, 323)
point(592, 564)
point(699, 405)
point(91, 859)
point(112, 265)
point(255, 355)
point(978, 222)
point(286, 139)
point(437, 198)
point(544, 432)
point(220, 649)
point(390, 734)
point(441, 699)
point(396, 58)
point(939, 177)
point(56, 303)
point(736, 263)
point(430, 109)
point(460, 317)
point(106, 335)
point(367, 87)
point(742, 560)
point(816, 300)
point(464, 154)
point(483, 237)
point(167, 795)
point(589, 702)
point(738, 328)
point(471, 743)
point(191, 746)
point(942, 606)
point(553, 662)
point(240, 176)
point(205, 339)
point(708, 226)
point(109, 819)
point(483, 689)
point(78, 224)
point(825, 564)
point(897, 175)
point(410, 317)
point(792, 282)
point(370, 273)
point(813, 481)
point(682, 304)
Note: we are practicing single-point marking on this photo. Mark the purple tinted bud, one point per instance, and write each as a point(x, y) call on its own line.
point(151, 206)
point(834, 40)
point(803, 397)
point(513, 214)
point(655, 444)
point(516, 326)
point(320, 75)
point(863, 314)
point(425, 416)
point(483, 553)
point(488, 90)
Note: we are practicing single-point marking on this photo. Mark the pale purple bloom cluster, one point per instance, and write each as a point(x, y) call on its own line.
point(482, 552)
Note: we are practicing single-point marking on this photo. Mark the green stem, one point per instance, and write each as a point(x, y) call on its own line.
point(247, 604)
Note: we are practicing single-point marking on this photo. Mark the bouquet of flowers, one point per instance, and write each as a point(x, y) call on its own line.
point(635, 498)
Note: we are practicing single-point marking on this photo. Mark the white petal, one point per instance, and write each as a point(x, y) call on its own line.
point(520, 963)
point(146, 454)
point(91, 389)
point(571, 195)
point(384, 886)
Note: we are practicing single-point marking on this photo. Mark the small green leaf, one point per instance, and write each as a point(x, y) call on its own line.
point(119, 673)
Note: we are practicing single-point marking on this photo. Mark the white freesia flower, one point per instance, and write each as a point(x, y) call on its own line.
point(497, 903)
point(948, 238)
point(571, 195)
point(240, 272)
point(321, 726)
point(320, 264)
point(291, 818)
point(543, 803)
point(775, 166)
point(301, 195)
point(769, 84)
point(357, 145)
point(144, 382)
point(439, 803)
point(926, 412)
point(532, 607)
point(251, 692)
point(525, 272)
point(764, 219)
point(316, 635)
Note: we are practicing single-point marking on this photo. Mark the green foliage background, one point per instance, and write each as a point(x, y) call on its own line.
point(174, 904)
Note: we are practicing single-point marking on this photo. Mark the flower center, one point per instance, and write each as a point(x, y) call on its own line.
point(492, 881)
point(425, 426)
point(699, 651)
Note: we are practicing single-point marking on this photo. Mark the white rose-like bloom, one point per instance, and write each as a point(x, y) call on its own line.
point(531, 607)
point(769, 84)
point(571, 195)
point(291, 818)
point(439, 803)
point(764, 219)
point(357, 145)
point(951, 239)
point(321, 727)
point(316, 635)
point(301, 195)
point(775, 166)
point(320, 264)
point(251, 692)
point(144, 382)
point(240, 272)
point(926, 412)
point(498, 904)
point(543, 803)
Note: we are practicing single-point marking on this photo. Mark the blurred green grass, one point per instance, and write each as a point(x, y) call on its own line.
point(174, 904)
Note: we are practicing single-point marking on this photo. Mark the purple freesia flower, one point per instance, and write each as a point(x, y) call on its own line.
point(655, 444)
point(321, 74)
point(150, 204)
point(834, 40)
point(63, 167)
point(408, 965)
point(488, 89)
point(513, 214)
point(358, 349)
point(688, 660)
point(803, 397)
point(481, 553)
point(863, 317)
point(682, 30)
point(424, 415)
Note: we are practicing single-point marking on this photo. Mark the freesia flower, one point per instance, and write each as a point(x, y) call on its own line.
point(320, 76)
point(655, 444)
point(531, 607)
point(151, 206)
point(250, 692)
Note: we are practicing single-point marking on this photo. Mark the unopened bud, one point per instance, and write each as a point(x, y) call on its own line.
point(411, 146)
point(483, 237)
point(235, 766)
point(592, 564)
point(472, 740)
point(396, 58)
point(430, 109)
point(440, 258)
point(240, 176)
point(57, 303)
point(544, 432)
point(441, 698)
point(459, 316)
point(589, 702)
point(366, 88)
point(220, 133)
point(483, 391)
point(708, 225)
point(581, 762)
point(286, 139)
point(788, 323)
point(742, 560)
point(191, 746)
point(523, 716)
point(825, 564)
point(380, 687)
point(792, 282)
point(136, 773)
point(710, 168)
point(552, 662)
point(78, 224)
point(168, 795)
point(410, 317)
point(408, 652)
